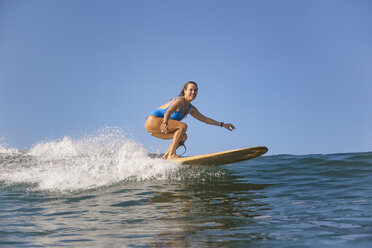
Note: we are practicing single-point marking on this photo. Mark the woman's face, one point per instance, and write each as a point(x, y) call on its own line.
point(191, 92)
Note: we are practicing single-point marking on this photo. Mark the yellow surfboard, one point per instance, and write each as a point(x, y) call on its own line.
point(225, 157)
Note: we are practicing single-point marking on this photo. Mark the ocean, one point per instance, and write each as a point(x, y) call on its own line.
point(104, 190)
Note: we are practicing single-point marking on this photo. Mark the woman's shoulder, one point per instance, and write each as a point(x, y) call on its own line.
point(178, 99)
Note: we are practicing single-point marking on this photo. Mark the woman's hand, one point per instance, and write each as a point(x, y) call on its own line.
point(164, 127)
point(229, 126)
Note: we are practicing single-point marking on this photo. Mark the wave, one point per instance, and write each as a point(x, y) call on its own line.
point(108, 157)
point(101, 159)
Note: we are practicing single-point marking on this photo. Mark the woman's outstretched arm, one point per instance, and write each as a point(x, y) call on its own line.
point(197, 115)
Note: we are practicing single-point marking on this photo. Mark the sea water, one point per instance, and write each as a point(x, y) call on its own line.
point(104, 190)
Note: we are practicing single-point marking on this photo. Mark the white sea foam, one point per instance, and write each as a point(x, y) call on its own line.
point(8, 150)
point(4, 149)
point(55, 149)
point(97, 160)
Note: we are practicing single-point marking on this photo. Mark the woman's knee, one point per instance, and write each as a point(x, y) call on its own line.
point(184, 137)
point(183, 126)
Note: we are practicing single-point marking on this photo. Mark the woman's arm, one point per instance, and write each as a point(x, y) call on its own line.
point(197, 115)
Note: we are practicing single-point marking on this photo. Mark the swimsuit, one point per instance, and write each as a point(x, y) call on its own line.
point(177, 115)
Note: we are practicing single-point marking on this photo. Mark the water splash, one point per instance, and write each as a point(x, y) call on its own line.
point(4, 148)
point(100, 159)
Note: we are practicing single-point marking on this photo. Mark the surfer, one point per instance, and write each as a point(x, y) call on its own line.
point(165, 122)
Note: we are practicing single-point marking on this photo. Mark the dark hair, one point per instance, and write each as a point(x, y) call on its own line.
point(185, 87)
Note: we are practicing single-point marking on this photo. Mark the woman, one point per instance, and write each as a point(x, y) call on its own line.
point(165, 122)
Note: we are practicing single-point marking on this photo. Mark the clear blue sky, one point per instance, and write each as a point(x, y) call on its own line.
point(293, 75)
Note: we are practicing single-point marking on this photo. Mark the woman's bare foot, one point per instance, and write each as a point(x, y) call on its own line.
point(175, 156)
point(165, 156)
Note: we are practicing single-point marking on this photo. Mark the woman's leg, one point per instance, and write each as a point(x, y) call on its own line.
point(177, 138)
point(176, 131)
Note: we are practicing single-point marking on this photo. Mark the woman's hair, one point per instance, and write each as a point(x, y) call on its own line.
point(185, 87)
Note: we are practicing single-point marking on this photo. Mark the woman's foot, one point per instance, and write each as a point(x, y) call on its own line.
point(175, 156)
point(167, 156)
